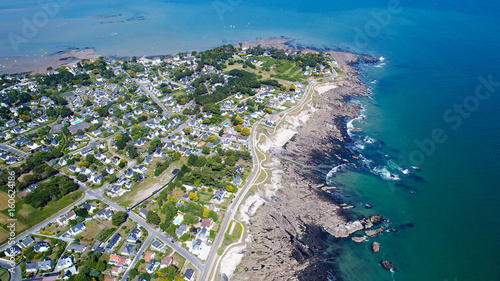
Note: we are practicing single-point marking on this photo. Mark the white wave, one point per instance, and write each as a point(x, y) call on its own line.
point(382, 64)
point(381, 59)
point(374, 82)
point(385, 174)
point(369, 140)
point(334, 170)
point(404, 171)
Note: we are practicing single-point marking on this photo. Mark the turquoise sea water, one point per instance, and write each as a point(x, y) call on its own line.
point(446, 214)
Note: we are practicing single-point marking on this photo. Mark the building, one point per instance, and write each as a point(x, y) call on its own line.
point(113, 242)
point(63, 220)
point(77, 229)
point(166, 262)
point(26, 242)
point(189, 274)
point(158, 246)
point(41, 247)
point(149, 255)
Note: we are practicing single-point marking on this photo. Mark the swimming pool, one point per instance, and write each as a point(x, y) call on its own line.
point(77, 121)
point(178, 220)
point(226, 124)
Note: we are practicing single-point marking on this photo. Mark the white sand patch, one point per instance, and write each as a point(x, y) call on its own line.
point(231, 260)
point(250, 206)
point(325, 88)
point(270, 189)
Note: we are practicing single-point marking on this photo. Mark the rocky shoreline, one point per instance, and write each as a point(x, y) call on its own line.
point(288, 232)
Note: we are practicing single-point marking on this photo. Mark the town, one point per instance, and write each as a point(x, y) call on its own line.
point(126, 167)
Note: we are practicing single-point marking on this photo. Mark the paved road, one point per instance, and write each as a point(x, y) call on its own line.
point(231, 211)
point(138, 256)
point(17, 272)
point(12, 150)
point(52, 219)
point(96, 194)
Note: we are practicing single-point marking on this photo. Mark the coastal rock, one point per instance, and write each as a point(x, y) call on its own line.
point(388, 265)
point(375, 247)
point(374, 232)
point(359, 239)
point(291, 229)
point(346, 229)
point(376, 219)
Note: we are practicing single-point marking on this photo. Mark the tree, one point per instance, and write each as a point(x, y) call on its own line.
point(183, 101)
point(205, 149)
point(187, 131)
point(84, 164)
point(118, 218)
point(81, 212)
point(229, 188)
point(238, 120)
point(283, 88)
point(177, 155)
point(152, 217)
point(206, 212)
point(245, 131)
point(193, 196)
point(81, 177)
point(237, 128)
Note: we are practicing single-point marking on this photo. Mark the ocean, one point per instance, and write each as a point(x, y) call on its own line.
point(435, 106)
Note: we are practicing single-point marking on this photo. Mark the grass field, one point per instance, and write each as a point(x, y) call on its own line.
point(4, 274)
point(4, 197)
point(27, 216)
point(150, 184)
point(179, 260)
point(93, 229)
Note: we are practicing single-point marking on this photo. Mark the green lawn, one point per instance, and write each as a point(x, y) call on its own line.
point(180, 260)
point(31, 216)
point(150, 184)
point(27, 216)
point(4, 274)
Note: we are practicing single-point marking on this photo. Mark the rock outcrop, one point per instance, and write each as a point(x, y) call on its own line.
point(388, 265)
point(375, 247)
point(374, 232)
point(291, 229)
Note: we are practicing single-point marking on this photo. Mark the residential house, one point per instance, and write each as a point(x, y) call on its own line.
point(116, 270)
point(207, 223)
point(41, 247)
point(63, 220)
point(12, 251)
point(105, 214)
point(77, 248)
point(70, 272)
point(196, 245)
point(63, 263)
point(188, 274)
point(26, 242)
point(143, 212)
point(181, 230)
point(77, 229)
point(166, 262)
point(129, 250)
point(158, 246)
point(45, 265)
point(134, 235)
point(149, 255)
point(151, 267)
point(113, 242)
point(115, 259)
point(89, 207)
point(202, 234)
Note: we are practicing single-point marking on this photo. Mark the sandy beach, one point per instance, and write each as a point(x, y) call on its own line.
point(38, 63)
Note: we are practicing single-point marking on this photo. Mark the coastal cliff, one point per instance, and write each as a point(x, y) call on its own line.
point(298, 213)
